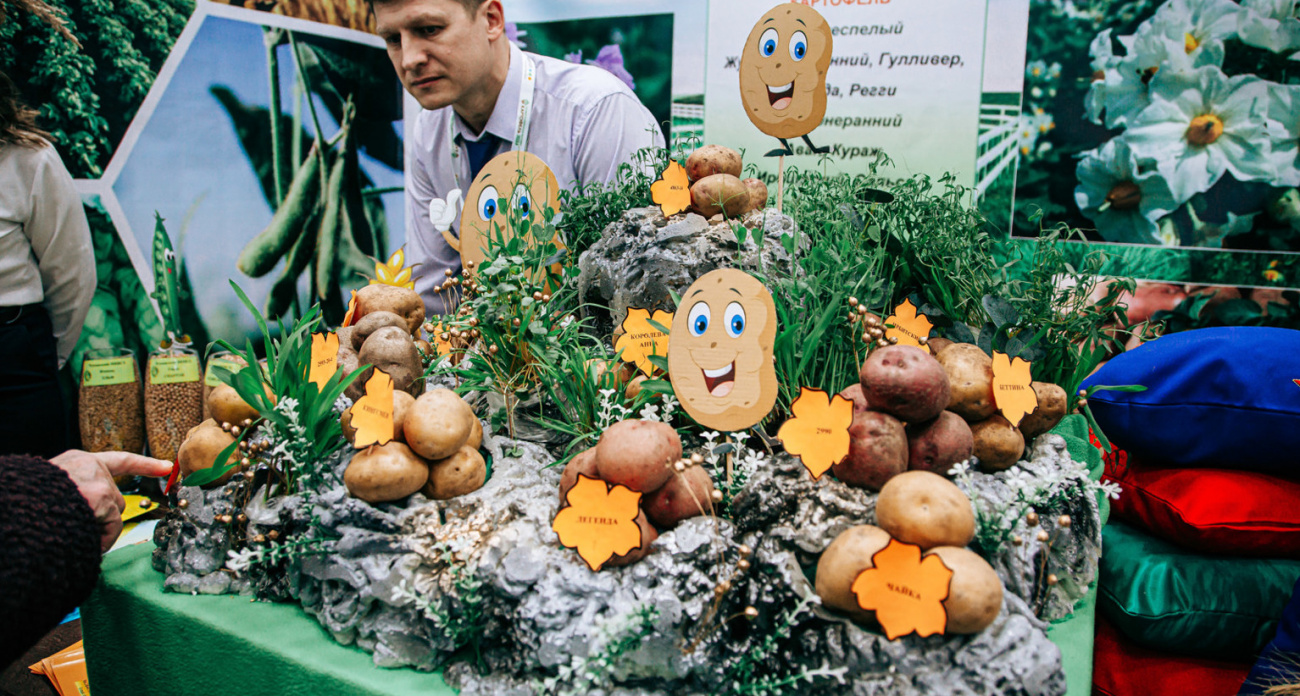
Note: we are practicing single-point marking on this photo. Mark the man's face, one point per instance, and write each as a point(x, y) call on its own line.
point(439, 50)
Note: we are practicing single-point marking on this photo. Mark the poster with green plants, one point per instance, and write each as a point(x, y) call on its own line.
point(1165, 130)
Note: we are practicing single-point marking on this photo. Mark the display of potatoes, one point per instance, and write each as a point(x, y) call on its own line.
point(403, 302)
point(877, 451)
point(713, 159)
point(905, 382)
point(648, 536)
point(686, 495)
point(371, 323)
point(202, 444)
point(461, 473)
point(638, 454)
point(583, 463)
point(854, 393)
point(401, 404)
point(925, 509)
point(936, 445)
point(998, 444)
point(842, 562)
point(384, 473)
point(970, 376)
point(720, 193)
point(225, 405)
point(757, 193)
point(438, 424)
point(1051, 409)
point(392, 351)
point(974, 593)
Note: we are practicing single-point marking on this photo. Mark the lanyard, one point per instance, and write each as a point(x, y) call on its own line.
point(522, 125)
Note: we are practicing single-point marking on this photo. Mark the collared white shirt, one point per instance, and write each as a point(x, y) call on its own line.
point(45, 250)
point(585, 124)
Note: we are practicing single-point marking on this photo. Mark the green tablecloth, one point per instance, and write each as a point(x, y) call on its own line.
point(141, 640)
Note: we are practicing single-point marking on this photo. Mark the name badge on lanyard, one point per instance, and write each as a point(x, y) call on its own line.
point(522, 124)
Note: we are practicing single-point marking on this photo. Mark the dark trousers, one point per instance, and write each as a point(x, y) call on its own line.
point(32, 417)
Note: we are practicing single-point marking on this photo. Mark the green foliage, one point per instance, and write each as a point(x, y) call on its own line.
point(88, 97)
point(759, 673)
point(587, 211)
point(300, 416)
point(1195, 313)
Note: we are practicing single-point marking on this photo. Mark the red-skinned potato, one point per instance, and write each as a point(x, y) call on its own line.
point(713, 159)
point(936, 445)
point(877, 451)
point(905, 382)
point(648, 536)
point(922, 508)
point(686, 495)
point(583, 462)
point(638, 454)
point(842, 562)
point(854, 393)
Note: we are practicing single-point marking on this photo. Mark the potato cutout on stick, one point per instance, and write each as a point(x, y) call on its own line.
point(527, 185)
point(783, 74)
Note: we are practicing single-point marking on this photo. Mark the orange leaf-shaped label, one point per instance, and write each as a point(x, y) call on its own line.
point(1013, 389)
point(819, 431)
point(324, 358)
point(600, 521)
point(372, 414)
point(908, 327)
point(640, 339)
point(393, 273)
point(905, 590)
point(352, 310)
point(672, 192)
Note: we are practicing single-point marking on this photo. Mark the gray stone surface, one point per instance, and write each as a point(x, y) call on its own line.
point(642, 256)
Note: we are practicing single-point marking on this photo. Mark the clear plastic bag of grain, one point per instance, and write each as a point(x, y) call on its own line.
point(173, 399)
point(226, 359)
point(109, 411)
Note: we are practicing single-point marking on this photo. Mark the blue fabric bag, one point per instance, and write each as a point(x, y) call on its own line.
point(1222, 397)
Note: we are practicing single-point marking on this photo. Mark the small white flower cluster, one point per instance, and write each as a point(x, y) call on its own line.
point(611, 411)
point(1186, 122)
point(240, 561)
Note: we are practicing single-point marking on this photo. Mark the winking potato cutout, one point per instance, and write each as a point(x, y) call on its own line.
point(783, 74)
point(720, 350)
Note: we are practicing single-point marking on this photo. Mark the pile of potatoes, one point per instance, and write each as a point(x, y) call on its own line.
point(230, 414)
point(716, 186)
point(914, 411)
point(645, 456)
point(434, 450)
point(385, 334)
point(925, 509)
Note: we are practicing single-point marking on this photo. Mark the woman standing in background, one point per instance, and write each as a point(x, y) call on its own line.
point(47, 280)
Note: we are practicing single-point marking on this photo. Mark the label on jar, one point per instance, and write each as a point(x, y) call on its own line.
point(174, 369)
point(106, 371)
point(211, 379)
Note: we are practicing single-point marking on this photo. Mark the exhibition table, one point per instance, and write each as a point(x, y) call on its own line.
point(141, 640)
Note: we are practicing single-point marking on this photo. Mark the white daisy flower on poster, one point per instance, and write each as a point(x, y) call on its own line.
point(1201, 26)
point(1026, 134)
point(1123, 201)
point(1167, 235)
point(1035, 69)
point(1196, 132)
point(1128, 85)
point(1270, 24)
point(1282, 120)
point(1103, 59)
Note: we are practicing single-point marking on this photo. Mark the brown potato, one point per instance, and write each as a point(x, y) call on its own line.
point(583, 462)
point(975, 593)
point(719, 193)
point(371, 323)
point(201, 447)
point(597, 368)
point(925, 509)
point(438, 424)
point(1050, 411)
point(401, 405)
point(970, 374)
point(403, 302)
point(391, 350)
point(877, 451)
point(475, 440)
point(638, 454)
point(461, 473)
point(854, 393)
point(633, 388)
point(905, 382)
point(842, 562)
point(937, 343)
point(226, 406)
point(384, 473)
point(998, 444)
point(686, 495)
point(938, 444)
point(713, 159)
point(757, 193)
point(648, 536)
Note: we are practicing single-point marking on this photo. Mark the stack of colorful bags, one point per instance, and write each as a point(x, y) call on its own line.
point(1202, 553)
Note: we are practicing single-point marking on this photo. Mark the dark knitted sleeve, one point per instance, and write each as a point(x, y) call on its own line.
point(49, 551)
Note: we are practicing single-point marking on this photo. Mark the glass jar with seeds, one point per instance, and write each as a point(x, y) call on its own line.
point(173, 399)
point(109, 411)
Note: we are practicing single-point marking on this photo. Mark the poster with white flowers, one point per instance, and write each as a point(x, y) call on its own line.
point(1167, 131)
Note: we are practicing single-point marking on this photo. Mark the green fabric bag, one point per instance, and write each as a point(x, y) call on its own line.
point(1170, 599)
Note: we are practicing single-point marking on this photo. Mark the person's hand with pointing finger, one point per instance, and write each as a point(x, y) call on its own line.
point(93, 473)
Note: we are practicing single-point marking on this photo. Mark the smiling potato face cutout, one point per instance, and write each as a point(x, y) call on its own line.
point(783, 71)
point(528, 186)
point(720, 350)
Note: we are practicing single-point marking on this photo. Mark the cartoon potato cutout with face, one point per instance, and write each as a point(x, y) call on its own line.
point(720, 350)
point(528, 186)
point(783, 74)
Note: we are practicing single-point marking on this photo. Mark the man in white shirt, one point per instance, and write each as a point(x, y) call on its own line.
point(581, 120)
